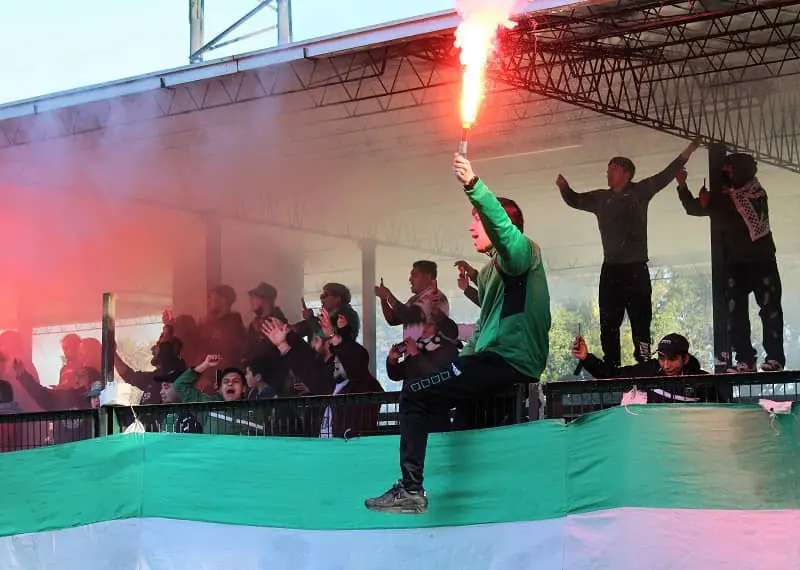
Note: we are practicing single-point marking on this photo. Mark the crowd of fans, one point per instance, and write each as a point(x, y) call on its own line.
point(220, 358)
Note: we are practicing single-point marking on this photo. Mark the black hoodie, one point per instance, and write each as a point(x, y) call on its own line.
point(672, 390)
point(741, 211)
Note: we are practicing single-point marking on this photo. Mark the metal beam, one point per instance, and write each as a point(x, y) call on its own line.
point(196, 53)
point(724, 74)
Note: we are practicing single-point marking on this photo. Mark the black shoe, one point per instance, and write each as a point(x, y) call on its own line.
point(398, 500)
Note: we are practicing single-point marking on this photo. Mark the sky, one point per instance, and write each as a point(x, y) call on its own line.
point(52, 45)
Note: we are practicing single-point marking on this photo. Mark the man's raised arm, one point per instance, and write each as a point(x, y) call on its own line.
point(653, 185)
point(514, 250)
point(586, 201)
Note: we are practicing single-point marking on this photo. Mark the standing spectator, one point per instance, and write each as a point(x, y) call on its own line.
point(71, 349)
point(273, 370)
point(335, 300)
point(467, 275)
point(621, 212)
point(742, 211)
point(223, 331)
point(417, 310)
point(11, 346)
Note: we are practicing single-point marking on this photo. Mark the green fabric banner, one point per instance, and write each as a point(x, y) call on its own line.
point(694, 456)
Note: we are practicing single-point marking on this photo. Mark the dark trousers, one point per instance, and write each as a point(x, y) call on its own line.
point(422, 402)
point(763, 280)
point(625, 287)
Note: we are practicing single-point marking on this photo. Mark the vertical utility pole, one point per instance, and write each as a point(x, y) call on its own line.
point(108, 336)
point(196, 31)
point(722, 344)
point(284, 22)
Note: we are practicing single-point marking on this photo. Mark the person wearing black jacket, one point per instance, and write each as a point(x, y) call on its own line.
point(413, 359)
point(674, 361)
point(274, 371)
point(621, 212)
point(342, 368)
point(742, 213)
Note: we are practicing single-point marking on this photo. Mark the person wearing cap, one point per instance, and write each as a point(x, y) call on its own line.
point(335, 300)
point(223, 331)
point(274, 372)
point(93, 395)
point(263, 299)
point(621, 211)
point(673, 359)
point(741, 211)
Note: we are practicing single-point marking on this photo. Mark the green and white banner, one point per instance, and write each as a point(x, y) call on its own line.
point(653, 487)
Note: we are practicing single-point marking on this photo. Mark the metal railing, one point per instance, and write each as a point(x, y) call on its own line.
point(574, 398)
point(31, 430)
point(357, 415)
point(344, 416)
point(347, 416)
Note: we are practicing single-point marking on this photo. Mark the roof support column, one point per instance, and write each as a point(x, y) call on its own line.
point(368, 307)
point(196, 29)
point(722, 347)
point(190, 263)
point(213, 252)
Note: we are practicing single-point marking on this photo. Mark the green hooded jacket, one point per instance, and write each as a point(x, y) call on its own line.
point(514, 321)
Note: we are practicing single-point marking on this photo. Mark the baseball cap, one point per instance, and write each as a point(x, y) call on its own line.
point(673, 345)
point(94, 392)
point(264, 291)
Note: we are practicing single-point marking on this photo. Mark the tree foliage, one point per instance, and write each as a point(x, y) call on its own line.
point(681, 303)
point(137, 355)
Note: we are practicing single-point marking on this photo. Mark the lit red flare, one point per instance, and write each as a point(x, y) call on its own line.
point(475, 37)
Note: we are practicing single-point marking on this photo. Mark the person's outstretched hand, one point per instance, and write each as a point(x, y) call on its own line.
point(462, 168)
point(579, 349)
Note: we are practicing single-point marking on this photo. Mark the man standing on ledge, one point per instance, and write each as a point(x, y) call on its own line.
point(509, 346)
point(621, 212)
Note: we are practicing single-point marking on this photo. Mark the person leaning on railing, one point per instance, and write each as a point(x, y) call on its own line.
point(674, 360)
point(230, 388)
